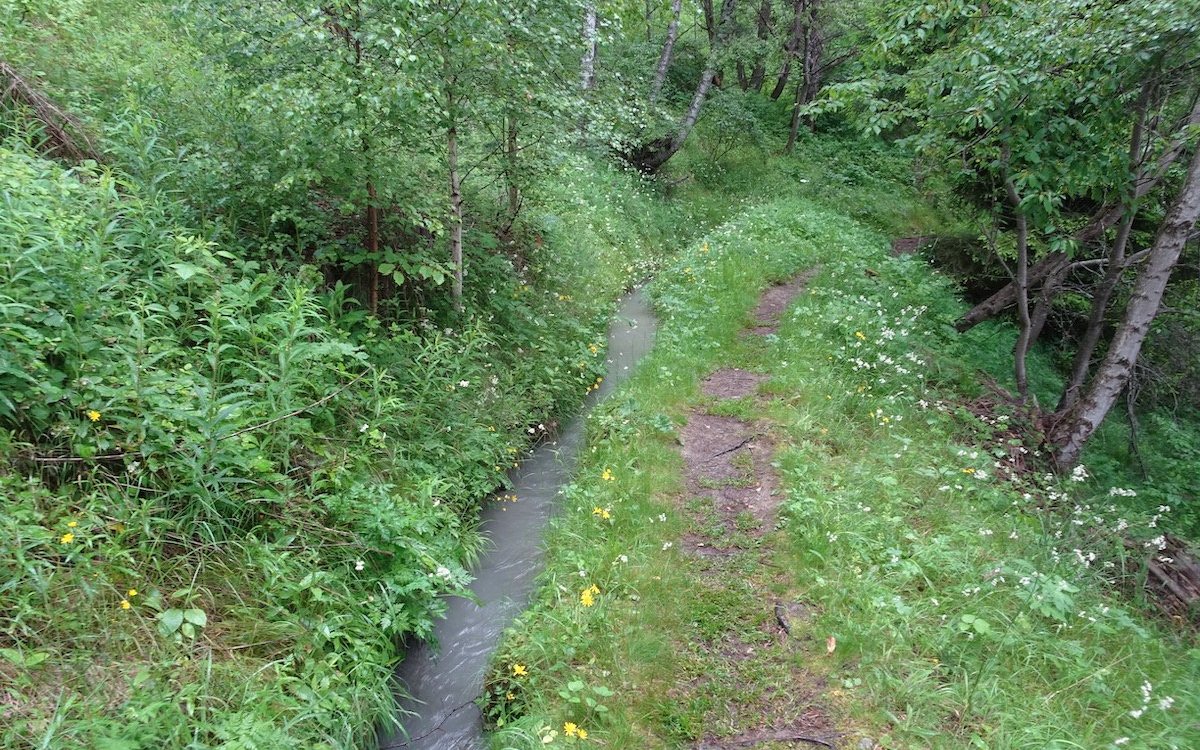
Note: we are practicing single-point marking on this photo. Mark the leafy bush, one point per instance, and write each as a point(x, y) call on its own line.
point(231, 492)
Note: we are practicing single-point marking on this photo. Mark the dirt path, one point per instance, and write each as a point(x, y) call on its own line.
point(761, 694)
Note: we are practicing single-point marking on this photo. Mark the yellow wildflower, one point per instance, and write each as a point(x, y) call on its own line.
point(93, 415)
point(607, 475)
point(519, 670)
point(968, 470)
point(132, 593)
point(125, 604)
point(67, 538)
point(859, 335)
point(586, 598)
point(570, 730)
point(510, 696)
point(582, 733)
point(602, 512)
point(72, 524)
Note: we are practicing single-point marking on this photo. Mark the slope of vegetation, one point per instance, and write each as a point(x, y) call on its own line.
point(288, 286)
point(229, 491)
point(222, 491)
point(952, 592)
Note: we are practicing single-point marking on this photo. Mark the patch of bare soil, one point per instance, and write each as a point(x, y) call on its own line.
point(734, 493)
point(731, 382)
point(807, 731)
point(774, 302)
point(908, 245)
point(732, 499)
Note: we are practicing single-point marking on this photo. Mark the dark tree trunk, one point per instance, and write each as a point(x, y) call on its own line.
point(373, 247)
point(1007, 296)
point(1024, 322)
point(794, 132)
point(790, 47)
point(710, 21)
point(1045, 302)
point(765, 20)
point(511, 151)
point(1095, 326)
point(1073, 428)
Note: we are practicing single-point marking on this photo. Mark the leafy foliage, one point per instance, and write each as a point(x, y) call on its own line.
point(211, 463)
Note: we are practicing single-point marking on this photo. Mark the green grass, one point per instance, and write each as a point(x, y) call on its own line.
point(961, 606)
point(292, 488)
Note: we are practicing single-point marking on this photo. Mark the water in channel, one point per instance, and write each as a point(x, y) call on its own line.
point(444, 682)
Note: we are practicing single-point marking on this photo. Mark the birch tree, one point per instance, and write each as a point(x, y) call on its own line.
point(652, 156)
point(1047, 105)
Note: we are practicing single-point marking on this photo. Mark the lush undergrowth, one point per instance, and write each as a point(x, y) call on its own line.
point(958, 595)
point(227, 493)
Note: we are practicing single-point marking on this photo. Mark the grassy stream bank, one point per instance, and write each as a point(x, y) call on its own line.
point(919, 580)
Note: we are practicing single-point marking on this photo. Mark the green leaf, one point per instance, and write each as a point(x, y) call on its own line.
point(169, 621)
point(186, 270)
point(196, 616)
point(36, 658)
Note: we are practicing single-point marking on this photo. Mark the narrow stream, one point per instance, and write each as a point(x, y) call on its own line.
point(443, 683)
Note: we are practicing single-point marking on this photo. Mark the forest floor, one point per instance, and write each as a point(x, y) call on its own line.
point(794, 528)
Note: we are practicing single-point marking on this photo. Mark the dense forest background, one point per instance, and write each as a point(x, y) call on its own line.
point(289, 286)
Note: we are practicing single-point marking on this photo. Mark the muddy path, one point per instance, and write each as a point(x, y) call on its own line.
point(732, 498)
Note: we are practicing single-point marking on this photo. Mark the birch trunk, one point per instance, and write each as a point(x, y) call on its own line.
point(652, 156)
point(1082, 363)
point(1078, 424)
point(1148, 178)
point(588, 65)
point(664, 59)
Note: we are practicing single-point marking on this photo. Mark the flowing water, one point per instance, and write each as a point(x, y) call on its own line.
point(443, 683)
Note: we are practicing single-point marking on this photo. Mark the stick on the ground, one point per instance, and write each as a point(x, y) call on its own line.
point(781, 737)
